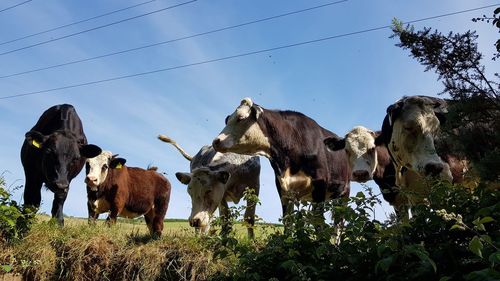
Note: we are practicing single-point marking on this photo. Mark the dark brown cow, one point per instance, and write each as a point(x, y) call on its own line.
point(127, 191)
point(293, 143)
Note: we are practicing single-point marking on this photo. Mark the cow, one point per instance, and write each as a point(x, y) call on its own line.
point(53, 153)
point(369, 162)
point(409, 130)
point(214, 180)
point(126, 191)
point(304, 168)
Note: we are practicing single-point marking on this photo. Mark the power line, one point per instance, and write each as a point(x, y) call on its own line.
point(173, 40)
point(77, 22)
point(98, 27)
point(239, 55)
point(11, 7)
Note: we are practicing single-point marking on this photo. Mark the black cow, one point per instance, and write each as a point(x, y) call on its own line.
point(293, 142)
point(54, 152)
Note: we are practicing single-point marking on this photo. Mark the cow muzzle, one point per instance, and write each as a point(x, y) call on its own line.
point(62, 185)
point(222, 143)
point(361, 176)
point(91, 182)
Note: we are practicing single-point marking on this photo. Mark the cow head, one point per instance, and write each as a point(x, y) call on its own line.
point(242, 133)
point(62, 156)
point(359, 145)
point(206, 189)
point(409, 130)
point(97, 168)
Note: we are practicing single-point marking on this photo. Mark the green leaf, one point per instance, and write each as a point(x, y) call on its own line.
point(457, 226)
point(494, 258)
point(384, 264)
point(476, 246)
point(6, 268)
point(486, 220)
point(444, 278)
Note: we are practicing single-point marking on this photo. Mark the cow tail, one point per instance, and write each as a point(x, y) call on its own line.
point(172, 142)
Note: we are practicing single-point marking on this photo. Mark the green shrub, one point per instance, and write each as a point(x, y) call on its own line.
point(14, 220)
point(455, 236)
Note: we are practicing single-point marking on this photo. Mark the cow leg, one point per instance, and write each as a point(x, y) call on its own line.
point(159, 210)
point(318, 198)
point(148, 217)
point(113, 214)
point(92, 214)
point(286, 204)
point(225, 220)
point(57, 207)
point(33, 191)
point(91, 198)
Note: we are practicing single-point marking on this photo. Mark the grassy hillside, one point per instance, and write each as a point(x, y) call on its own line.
point(122, 252)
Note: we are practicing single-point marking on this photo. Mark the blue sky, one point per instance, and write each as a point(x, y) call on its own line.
point(340, 83)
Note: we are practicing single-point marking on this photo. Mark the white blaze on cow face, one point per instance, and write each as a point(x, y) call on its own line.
point(412, 139)
point(242, 133)
point(206, 189)
point(96, 169)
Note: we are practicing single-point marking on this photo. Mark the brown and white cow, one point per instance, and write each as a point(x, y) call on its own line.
point(369, 161)
point(305, 170)
point(127, 191)
point(214, 180)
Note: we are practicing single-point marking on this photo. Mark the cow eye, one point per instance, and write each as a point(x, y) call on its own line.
point(104, 167)
point(227, 119)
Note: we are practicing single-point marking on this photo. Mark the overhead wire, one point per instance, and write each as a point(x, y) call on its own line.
point(173, 40)
point(76, 22)
point(97, 27)
point(241, 55)
point(16, 5)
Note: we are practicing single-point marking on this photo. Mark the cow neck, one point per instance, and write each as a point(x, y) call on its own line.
point(112, 177)
point(282, 135)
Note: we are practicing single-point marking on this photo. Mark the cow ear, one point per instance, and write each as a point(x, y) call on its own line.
point(440, 110)
point(223, 176)
point(393, 111)
point(184, 178)
point(117, 163)
point(334, 144)
point(379, 140)
point(35, 139)
point(256, 111)
point(90, 150)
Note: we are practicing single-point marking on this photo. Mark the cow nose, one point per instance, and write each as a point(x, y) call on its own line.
point(194, 222)
point(91, 180)
point(62, 185)
point(433, 169)
point(361, 175)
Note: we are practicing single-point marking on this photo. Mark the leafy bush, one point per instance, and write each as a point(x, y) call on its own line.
point(455, 236)
point(14, 220)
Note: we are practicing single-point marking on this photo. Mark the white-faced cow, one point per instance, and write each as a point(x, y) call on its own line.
point(304, 168)
point(369, 161)
point(126, 191)
point(53, 153)
point(214, 180)
point(409, 130)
